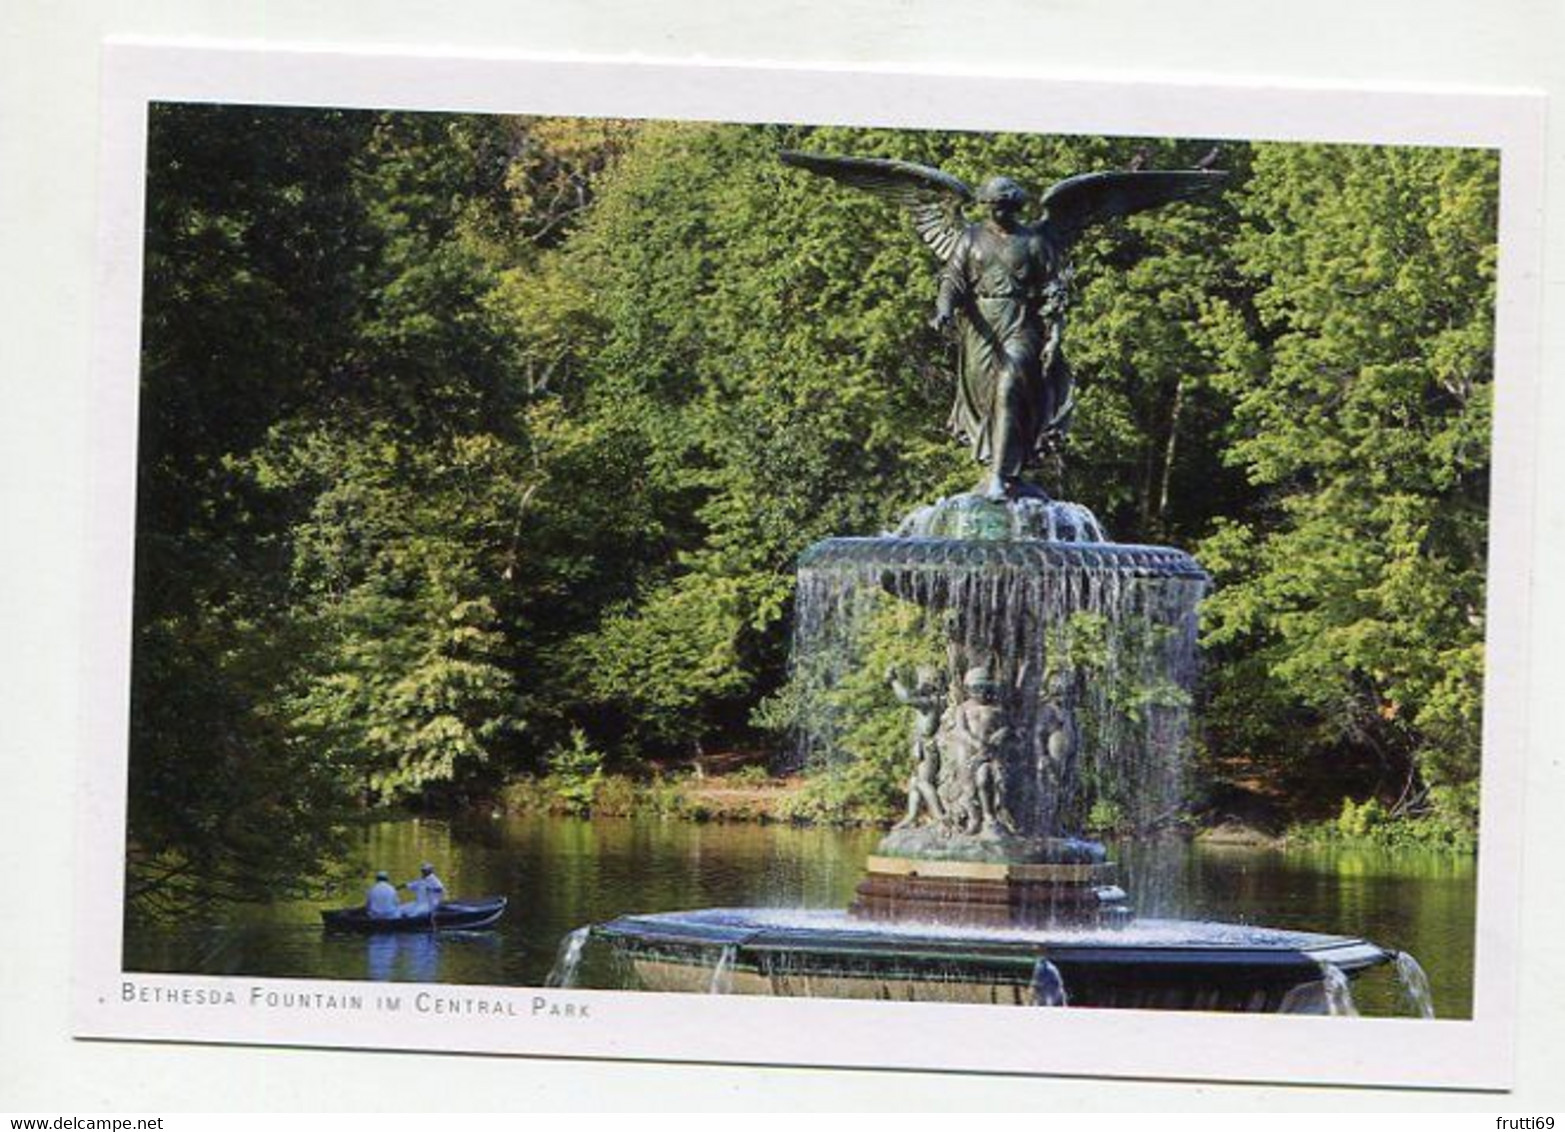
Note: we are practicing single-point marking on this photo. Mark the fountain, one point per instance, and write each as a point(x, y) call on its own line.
point(1045, 670)
point(1042, 675)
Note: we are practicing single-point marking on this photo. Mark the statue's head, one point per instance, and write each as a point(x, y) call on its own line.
point(1001, 194)
point(929, 678)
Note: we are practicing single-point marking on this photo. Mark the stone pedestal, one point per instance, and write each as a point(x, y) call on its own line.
point(989, 894)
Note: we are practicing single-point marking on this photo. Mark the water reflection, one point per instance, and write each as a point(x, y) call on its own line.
point(416, 957)
point(562, 873)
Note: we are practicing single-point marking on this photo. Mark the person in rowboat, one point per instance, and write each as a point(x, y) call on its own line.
point(428, 892)
point(381, 902)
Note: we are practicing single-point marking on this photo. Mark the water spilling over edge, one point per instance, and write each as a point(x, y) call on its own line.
point(568, 958)
point(1108, 628)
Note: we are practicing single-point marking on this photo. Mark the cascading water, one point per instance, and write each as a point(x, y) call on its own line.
point(568, 959)
point(1415, 985)
point(975, 516)
point(1047, 985)
point(1337, 992)
point(1066, 621)
point(723, 971)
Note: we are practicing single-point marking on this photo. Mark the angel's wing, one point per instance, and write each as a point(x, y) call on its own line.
point(932, 198)
point(1077, 203)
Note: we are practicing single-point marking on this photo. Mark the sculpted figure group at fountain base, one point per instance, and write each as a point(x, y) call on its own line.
point(959, 855)
point(958, 779)
point(963, 745)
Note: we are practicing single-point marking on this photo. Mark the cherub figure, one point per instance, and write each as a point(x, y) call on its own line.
point(1059, 735)
point(1057, 723)
point(977, 732)
point(927, 698)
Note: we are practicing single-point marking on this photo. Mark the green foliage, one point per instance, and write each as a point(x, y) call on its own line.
point(412, 680)
point(250, 262)
point(666, 797)
point(526, 794)
point(337, 462)
point(862, 766)
point(585, 789)
point(1349, 612)
point(1104, 817)
point(615, 796)
point(764, 420)
point(837, 795)
point(1359, 820)
point(470, 444)
point(575, 773)
point(1371, 823)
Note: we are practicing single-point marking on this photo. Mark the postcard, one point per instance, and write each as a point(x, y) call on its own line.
point(809, 567)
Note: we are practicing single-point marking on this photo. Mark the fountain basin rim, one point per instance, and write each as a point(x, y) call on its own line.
point(705, 929)
point(1033, 555)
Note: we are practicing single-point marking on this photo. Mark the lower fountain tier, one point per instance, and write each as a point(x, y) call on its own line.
point(1149, 964)
point(986, 894)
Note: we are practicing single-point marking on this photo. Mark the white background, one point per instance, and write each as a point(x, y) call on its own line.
point(48, 151)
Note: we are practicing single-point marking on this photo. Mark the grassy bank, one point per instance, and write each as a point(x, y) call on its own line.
point(750, 794)
point(1371, 825)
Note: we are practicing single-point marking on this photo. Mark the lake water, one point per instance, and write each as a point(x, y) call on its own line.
point(562, 873)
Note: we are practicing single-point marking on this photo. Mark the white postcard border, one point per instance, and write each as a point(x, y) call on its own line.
point(509, 1020)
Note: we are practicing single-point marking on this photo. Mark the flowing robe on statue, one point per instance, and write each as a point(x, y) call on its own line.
point(1007, 294)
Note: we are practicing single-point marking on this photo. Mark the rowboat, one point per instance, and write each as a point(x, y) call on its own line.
point(453, 915)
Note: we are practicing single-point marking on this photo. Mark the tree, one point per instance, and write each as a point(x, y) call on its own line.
point(341, 437)
point(1350, 603)
point(251, 257)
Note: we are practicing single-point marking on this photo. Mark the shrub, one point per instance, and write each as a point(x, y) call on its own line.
point(1448, 825)
point(575, 771)
point(837, 795)
point(665, 797)
point(1104, 817)
point(1358, 820)
point(526, 796)
point(615, 796)
point(750, 776)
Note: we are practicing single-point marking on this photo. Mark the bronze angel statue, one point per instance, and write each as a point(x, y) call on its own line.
point(1004, 286)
